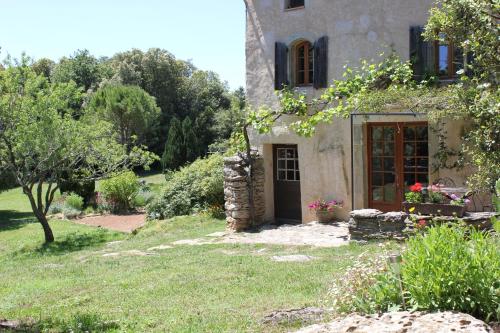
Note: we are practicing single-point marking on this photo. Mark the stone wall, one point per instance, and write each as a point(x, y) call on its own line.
point(236, 193)
point(373, 224)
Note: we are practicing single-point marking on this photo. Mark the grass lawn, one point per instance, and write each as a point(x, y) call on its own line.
point(70, 285)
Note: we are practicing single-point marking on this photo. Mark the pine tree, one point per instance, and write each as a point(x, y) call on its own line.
point(173, 156)
point(190, 141)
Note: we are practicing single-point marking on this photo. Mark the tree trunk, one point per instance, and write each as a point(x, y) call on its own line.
point(250, 176)
point(40, 216)
point(49, 235)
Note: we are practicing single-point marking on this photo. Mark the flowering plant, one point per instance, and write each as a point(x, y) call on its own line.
point(417, 187)
point(458, 201)
point(322, 205)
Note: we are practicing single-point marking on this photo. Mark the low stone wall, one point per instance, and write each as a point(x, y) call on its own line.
point(374, 224)
point(236, 192)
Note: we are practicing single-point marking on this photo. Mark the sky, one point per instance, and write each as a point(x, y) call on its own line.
point(209, 33)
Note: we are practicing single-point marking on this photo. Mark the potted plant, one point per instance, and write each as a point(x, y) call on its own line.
point(325, 210)
point(431, 201)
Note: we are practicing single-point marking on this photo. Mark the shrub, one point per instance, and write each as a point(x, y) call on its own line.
point(143, 198)
point(193, 188)
point(74, 201)
point(453, 268)
point(120, 190)
point(446, 268)
point(56, 207)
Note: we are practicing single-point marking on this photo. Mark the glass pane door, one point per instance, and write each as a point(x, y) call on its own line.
point(398, 157)
point(383, 190)
point(415, 155)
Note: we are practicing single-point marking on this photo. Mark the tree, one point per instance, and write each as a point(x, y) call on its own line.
point(40, 139)
point(226, 121)
point(43, 66)
point(190, 141)
point(173, 156)
point(82, 68)
point(131, 110)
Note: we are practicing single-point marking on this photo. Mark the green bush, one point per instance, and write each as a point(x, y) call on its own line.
point(120, 191)
point(144, 197)
point(445, 268)
point(193, 188)
point(454, 268)
point(74, 201)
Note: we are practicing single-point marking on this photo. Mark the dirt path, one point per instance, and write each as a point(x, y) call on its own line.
point(122, 223)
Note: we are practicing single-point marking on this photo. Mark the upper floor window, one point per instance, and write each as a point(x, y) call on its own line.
point(301, 64)
point(294, 4)
point(438, 58)
point(304, 64)
point(447, 58)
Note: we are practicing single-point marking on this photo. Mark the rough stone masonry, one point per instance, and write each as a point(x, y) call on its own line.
point(236, 192)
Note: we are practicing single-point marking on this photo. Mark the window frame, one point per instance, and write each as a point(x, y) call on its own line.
point(450, 59)
point(288, 5)
point(308, 78)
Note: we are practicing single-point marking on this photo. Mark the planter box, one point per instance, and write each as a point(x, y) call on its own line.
point(434, 209)
point(324, 216)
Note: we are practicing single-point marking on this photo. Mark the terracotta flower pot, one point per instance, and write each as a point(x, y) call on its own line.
point(434, 209)
point(324, 216)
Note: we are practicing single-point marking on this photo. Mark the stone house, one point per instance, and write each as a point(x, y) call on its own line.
point(369, 160)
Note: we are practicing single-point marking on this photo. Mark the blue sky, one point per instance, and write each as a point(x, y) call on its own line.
point(210, 33)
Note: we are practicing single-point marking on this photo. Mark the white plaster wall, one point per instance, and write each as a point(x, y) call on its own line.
point(357, 29)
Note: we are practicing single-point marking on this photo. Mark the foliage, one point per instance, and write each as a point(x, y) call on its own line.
point(354, 290)
point(435, 197)
point(43, 67)
point(322, 205)
point(190, 143)
point(120, 190)
point(41, 142)
point(453, 269)
point(445, 268)
point(414, 197)
point(193, 188)
point(180, 90)
point(172, 157)
point(131, 110)
point(74, 201)
point(226, 121)
point(471, 25)
point(82, 68)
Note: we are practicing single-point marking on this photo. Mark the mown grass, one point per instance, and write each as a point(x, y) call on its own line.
point(69, 285)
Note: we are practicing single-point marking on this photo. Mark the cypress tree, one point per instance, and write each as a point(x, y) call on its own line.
point(190, 142)
point(173, 156)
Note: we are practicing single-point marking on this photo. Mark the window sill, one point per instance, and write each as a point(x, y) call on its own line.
point(294, 8)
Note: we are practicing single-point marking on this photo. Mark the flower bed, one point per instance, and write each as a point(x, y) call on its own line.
point(434, 209)
point(432, 201)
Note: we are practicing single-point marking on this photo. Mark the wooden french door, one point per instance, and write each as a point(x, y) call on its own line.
point(287, 201)
point(398, 156)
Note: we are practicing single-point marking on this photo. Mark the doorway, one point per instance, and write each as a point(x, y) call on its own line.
point(398, 156)
point(287, 200)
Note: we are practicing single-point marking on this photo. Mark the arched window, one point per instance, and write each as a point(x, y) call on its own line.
point(304, 64)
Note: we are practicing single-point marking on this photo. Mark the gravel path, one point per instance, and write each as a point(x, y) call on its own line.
point(122, 223)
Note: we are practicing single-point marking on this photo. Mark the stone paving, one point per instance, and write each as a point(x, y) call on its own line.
point(311, 234)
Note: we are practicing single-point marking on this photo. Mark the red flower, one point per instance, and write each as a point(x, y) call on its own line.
point(416, 188)
point(422, 223)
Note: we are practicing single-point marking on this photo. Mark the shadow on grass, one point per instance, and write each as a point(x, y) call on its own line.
point(79, 323)
point(12, 220)
point(74, 242)
point(68, 243)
